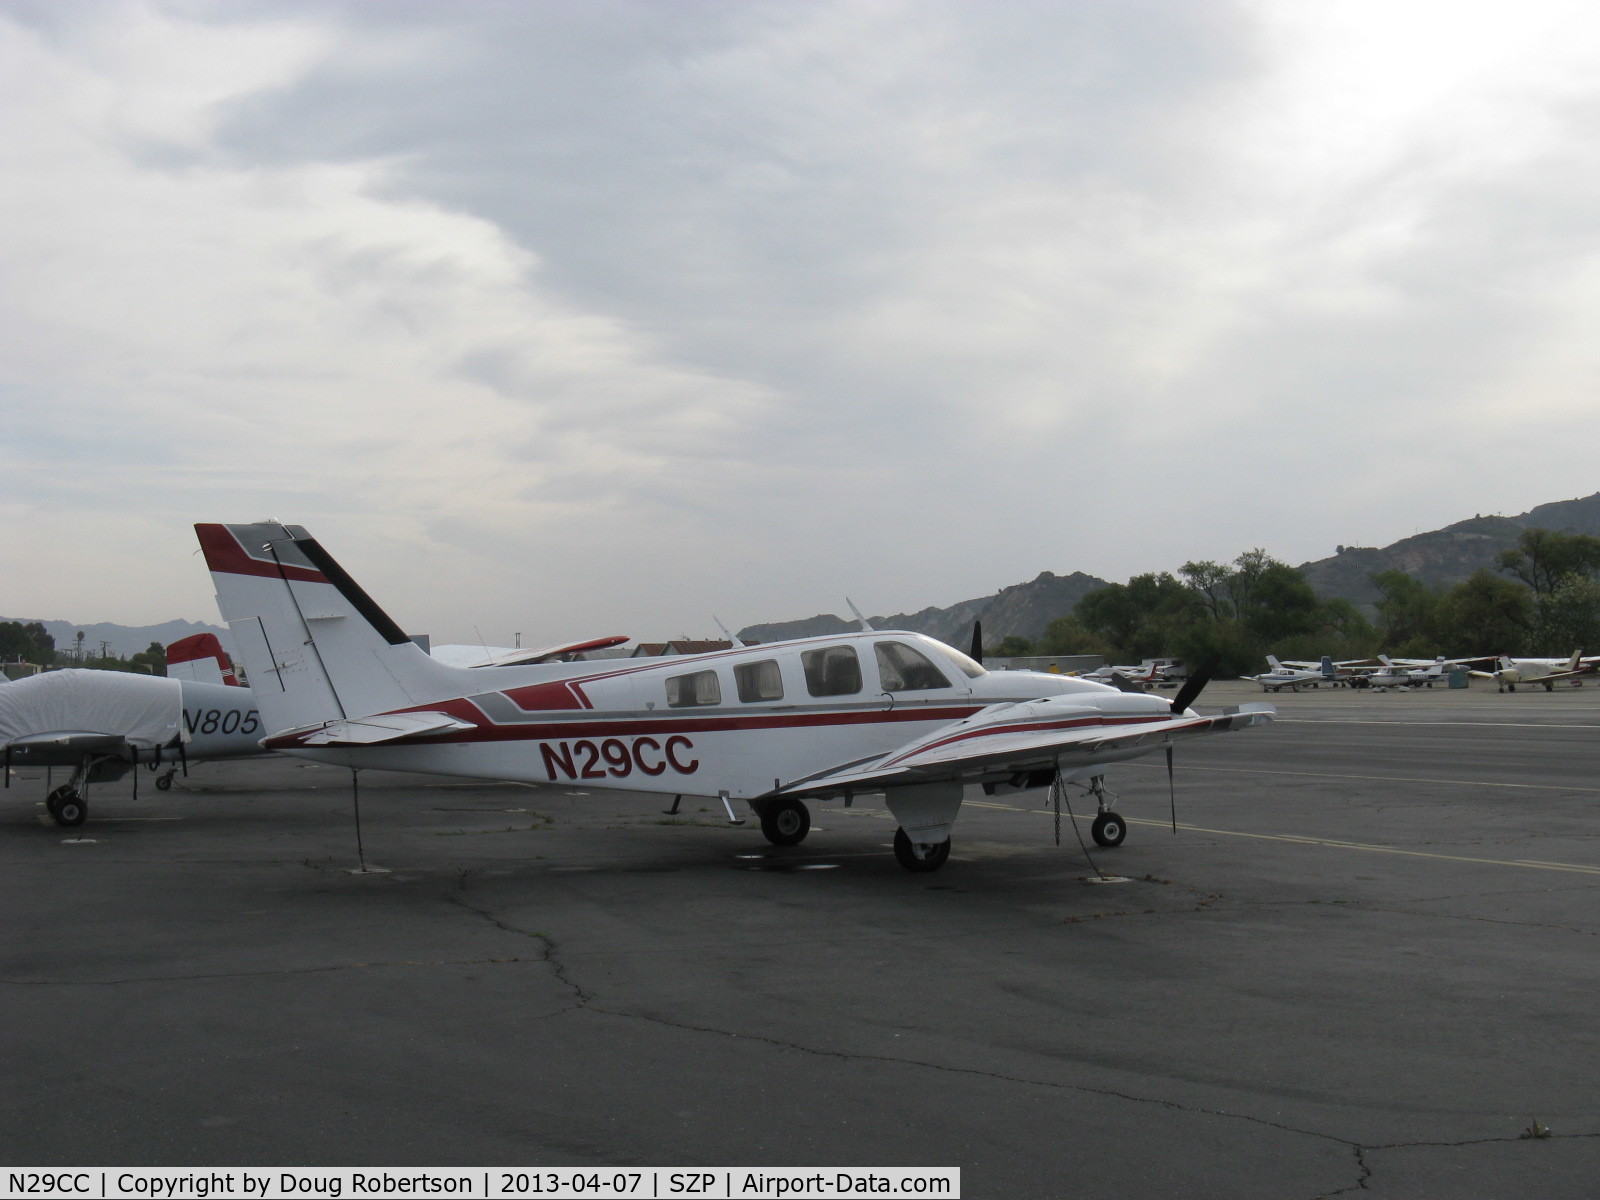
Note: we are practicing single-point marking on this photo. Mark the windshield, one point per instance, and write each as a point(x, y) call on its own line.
point(968, 667)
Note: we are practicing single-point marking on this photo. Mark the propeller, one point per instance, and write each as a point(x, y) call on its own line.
point(1194, 685)
point(1123, 684)
point(977, 642)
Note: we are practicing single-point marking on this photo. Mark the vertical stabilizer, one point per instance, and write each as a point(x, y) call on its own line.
point(315, 646)
point(200, 658)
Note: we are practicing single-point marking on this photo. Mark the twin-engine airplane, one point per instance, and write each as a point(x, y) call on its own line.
point(773, 726)
point(102, 724)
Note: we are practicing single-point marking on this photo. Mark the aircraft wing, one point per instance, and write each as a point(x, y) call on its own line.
point(499, 656)
point(1008, 739)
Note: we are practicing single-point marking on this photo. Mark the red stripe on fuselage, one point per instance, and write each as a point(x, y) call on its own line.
point(652, 723)
point(548, 697)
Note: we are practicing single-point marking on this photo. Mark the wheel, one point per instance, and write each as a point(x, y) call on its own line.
point(785, 822)
point(70, 809)
point(1109, 829)
point(163, 783)
point(919, 858)
point(52, 802)
point(1549, 687)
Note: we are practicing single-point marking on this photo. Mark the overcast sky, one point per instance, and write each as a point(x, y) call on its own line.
point(590, 317)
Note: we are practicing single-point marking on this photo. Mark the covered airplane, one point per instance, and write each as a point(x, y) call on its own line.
point(102, 724)
point(772, 726)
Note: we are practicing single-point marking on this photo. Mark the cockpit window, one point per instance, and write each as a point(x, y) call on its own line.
point(832, 671)
point(759, 681)
point(688, 691)
point(902, 669)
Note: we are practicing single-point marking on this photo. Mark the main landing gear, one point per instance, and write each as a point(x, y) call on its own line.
point(919, 857)
point(785, 822)
point(1109, 828)
point(67, 806)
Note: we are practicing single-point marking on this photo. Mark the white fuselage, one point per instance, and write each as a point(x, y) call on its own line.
point(741, 721)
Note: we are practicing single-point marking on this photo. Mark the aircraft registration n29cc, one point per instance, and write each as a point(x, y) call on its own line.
point(772, 726)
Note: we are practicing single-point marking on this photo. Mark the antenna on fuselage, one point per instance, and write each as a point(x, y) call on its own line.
point(866, 625)
point(731, 637)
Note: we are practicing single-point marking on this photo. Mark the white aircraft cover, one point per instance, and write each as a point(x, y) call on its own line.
point(147, 710)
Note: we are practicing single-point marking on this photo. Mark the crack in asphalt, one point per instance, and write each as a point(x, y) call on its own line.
point(458, 897)
point(586, 1001)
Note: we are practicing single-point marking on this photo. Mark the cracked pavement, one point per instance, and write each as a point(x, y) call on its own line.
point(1351, 980)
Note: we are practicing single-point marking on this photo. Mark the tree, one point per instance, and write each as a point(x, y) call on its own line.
point(1571, 618)
point(151, 660)
point(1545, 558)
point(1139, 618)
point(26, 643)
point(1066, 635)
point(1012, 646)
point(1485, 615)
point(1406, 613)
point(1210, 581)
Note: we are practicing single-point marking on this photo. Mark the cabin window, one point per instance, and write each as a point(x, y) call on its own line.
point(834, 671)
point(902, 669)
point(759, 681)
point(688, 691)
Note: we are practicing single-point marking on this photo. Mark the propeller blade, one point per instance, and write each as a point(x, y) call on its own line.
point(1194, 685)
point(977, 642)
point(1123, 684)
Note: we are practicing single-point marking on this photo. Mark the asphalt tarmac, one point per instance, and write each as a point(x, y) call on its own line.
point(1366, 962)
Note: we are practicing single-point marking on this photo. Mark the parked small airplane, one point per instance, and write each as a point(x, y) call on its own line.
point(819, 718)
point(1152, 672)
point(1545, 671)
point(101, 724)
point(1396, 675)
point(1292, 677)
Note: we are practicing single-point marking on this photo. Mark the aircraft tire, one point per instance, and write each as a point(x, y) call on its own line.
point(163, 783)
point(785, 822)
point(914, 858)
point(1109, 829)
point(70, 809)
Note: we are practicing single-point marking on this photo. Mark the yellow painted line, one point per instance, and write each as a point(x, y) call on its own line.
point(1576, 868)
point(1300, 840)
point(1536, 787)
point(1331, 843)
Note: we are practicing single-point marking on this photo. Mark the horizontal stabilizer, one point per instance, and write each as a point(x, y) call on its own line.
point(368, 731)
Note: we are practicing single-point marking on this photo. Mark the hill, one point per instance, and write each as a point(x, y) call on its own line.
point(1023, 609)
point(1443, 557)
point(121, 640)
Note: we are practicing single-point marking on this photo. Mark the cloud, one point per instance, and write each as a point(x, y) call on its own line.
point(757, 304)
